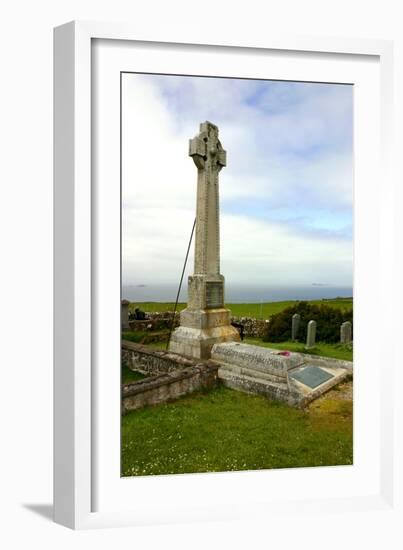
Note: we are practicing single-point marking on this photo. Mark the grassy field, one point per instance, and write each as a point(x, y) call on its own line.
point(226, 430)
point(258, 311)
point(337, 351)
point(131, 336)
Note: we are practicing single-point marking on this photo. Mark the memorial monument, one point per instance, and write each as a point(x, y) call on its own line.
point(205, 329)
point(205, 321)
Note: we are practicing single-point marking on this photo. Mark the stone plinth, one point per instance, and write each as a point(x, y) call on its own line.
point(199, 342)
point(202, 323)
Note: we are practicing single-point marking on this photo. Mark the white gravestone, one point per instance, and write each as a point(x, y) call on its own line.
point(205, 321)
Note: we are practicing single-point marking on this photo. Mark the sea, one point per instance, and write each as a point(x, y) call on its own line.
point(238, 294)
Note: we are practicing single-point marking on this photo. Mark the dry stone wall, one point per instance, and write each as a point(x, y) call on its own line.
point(169, 376)
point(253, 328)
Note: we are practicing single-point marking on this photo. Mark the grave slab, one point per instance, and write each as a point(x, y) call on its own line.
point(285, 376)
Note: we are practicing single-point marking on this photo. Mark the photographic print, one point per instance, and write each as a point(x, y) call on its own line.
point(236, 274)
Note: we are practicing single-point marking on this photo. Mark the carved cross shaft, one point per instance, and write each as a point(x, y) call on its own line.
point(209, 157)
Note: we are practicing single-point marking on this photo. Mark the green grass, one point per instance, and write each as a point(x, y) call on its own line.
point(136, 337)
point(258, 311)
point(142, 337)
point(129, 375)
point(337, 351)
point(226, 430)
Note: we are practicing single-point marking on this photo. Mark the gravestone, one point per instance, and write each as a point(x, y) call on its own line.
point(205, 321)
point(345, 333)
point(125, 315)
point(296, 318)
point(311, 335)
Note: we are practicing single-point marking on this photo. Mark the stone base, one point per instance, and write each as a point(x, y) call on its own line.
point(295, 379)
point(200, 330)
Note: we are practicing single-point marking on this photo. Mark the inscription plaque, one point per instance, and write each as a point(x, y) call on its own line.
point(311, 376)
point(214, 295)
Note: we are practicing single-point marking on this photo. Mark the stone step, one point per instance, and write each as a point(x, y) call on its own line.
point(254, 384)
point(254, 373)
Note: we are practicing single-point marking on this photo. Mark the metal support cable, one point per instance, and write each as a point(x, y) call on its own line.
point(180, 284)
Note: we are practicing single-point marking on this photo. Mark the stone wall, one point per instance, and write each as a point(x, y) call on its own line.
point(253, 328)
point(152, 362)
point(169, 376)
point(154, 321)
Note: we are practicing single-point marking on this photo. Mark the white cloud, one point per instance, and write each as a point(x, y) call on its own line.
point(265, 165)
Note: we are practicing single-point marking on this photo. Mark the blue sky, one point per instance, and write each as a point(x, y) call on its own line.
point(285, 195)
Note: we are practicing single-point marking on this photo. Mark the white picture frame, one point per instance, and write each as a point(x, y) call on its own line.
point(77, 393)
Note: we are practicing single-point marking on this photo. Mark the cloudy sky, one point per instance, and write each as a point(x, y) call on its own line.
point(285, 195)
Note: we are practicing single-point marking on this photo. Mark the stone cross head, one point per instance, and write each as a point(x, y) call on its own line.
point(206, 149)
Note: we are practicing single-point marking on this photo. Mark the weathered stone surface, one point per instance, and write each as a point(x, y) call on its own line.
point(168, 387)
point(254, 385)
point(196, 342)
point(205, 321)
point(125, 315)
point(253, 369)
point(295, 321)
point(171, 376)
point(259, 358)
point(346, 333)
point(209, 157)
point(311, 335)
point(254, 328)
point(150, 361)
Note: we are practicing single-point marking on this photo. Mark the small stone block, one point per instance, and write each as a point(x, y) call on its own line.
point(197, 147)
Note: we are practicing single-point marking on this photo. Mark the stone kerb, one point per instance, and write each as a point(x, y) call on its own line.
point(152, 362)
point(171, 376)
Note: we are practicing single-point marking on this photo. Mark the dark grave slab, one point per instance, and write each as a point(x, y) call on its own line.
point(311, 376)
